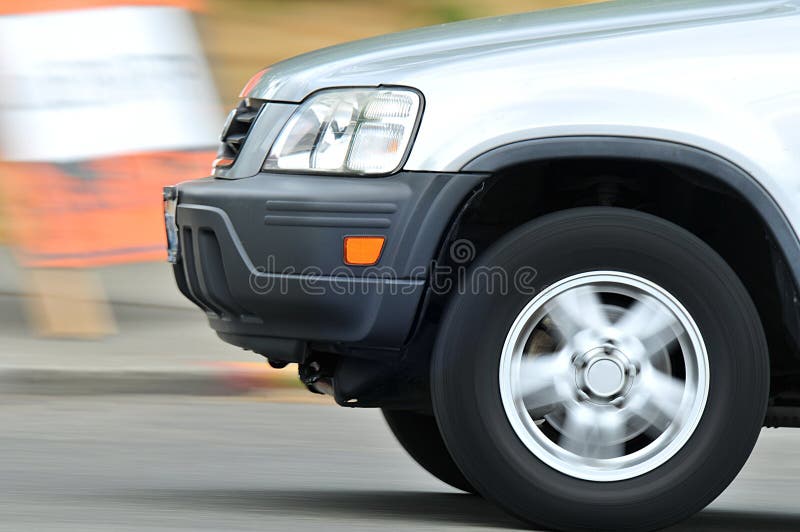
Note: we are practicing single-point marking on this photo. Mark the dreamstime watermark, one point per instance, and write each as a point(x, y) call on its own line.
point(454, 276)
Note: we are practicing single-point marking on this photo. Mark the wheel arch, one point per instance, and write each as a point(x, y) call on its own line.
point(781, 267)
point(652, 150)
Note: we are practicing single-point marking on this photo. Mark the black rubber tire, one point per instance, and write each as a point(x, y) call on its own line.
point(465, 384)
point(420, 437)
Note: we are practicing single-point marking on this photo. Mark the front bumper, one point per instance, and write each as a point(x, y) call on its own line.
point(262, 256)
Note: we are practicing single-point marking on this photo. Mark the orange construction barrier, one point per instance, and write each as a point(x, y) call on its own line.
point(102, 103)
point(104, 206)
point(93, 213)
point(15, 7)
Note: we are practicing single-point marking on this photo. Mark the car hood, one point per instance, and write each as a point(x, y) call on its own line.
point(400, 58)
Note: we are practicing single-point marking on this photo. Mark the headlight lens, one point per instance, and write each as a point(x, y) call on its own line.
point(361, 131)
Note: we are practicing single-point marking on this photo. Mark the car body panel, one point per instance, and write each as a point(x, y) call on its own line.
point(662, 81)
point(440, 49)
point(718, 76)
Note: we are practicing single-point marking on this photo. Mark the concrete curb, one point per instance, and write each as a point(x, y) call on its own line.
point(223, 378)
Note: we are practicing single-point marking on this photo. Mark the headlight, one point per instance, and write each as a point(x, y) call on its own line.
point(360, 131)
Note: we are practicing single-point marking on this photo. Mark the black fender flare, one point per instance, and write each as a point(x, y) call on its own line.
point(653, 150)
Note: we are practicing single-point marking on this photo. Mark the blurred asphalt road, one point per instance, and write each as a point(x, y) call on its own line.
point(157, 462)
point(74, 458)
point(163, 344)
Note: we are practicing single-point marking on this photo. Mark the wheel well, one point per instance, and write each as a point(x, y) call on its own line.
point(697, 201)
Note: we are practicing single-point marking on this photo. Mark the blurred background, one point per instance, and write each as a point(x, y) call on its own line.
point(119, 407)
point(104, 102)
point(243, 36)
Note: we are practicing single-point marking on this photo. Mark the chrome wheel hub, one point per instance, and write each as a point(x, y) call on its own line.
point(604, 376)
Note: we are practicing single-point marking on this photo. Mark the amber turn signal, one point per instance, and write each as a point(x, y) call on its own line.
point(362, 250)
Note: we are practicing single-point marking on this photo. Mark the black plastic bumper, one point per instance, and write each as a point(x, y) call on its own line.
point(263, 256)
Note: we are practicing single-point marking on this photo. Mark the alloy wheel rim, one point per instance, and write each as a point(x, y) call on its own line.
point(604, 376)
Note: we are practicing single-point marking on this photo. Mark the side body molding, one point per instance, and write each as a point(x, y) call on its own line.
point(654, 151)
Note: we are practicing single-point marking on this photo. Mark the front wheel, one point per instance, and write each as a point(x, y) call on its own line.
point(625, 391)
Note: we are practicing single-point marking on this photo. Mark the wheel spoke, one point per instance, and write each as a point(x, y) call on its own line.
point(543, 380)
point(576, 310)
point(659, 398)
point(593, 434)
point(649, 322)
point(576, 431)
point(612, 433)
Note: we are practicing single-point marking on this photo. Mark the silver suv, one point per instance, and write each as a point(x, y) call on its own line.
point(559, 250)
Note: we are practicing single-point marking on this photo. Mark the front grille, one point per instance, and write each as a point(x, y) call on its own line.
point(235, 132)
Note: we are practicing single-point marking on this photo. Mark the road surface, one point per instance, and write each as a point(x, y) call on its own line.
point(192, 463)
